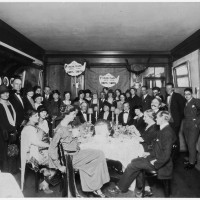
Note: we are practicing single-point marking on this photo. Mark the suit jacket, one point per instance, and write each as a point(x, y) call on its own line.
point(130, 119)
point(101, 104)
point(161, 151)
point(192, 111)
point(46, 102)
point(135, 101)
point(146, 103)
point(109, 118)
point(149, 136)
point(140, 124)
point(177, 108)
point(27, 104)
point(19, 108)
point(81, 118)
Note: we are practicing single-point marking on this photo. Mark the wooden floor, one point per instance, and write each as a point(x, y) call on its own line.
point(185, 184)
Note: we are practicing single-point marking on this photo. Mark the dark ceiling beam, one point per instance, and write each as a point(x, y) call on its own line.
point(189, 45)
point(15, 39)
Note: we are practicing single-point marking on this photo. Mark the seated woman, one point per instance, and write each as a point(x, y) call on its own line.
point(30, 153)
point(150, 132)
point(90, 163)
point(139, 119)
point(67, 98)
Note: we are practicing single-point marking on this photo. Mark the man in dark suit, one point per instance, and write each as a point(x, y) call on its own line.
point(16, 100)
point(126, 117)
point(159, 158)
point(106, 113)
point(176, 104)
point(156, 93)
point(191, 126)
point(83, 115)
point(102, 99)
point(146, 99)
point(47, 97)
point(134, 100)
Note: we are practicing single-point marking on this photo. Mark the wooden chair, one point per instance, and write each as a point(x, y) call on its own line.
point(151, 174)
point(68, 185)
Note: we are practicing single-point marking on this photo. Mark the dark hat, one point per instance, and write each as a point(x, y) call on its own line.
point(106, 104)
point(55, 92)
point(29, 89)
point(41, 109)
point(3, 89)
point(36, 96)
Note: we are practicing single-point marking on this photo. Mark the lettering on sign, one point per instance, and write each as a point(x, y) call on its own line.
point(74, 68)
point(108, 80)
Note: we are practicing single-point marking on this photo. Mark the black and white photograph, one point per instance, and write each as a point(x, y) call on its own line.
point(99, 99)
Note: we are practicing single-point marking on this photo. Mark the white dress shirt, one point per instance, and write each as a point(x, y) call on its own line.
point(125, 116)
point(84, 115)
point(19, 97)
point(105, 115)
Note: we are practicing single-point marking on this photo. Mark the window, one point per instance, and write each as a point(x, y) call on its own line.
point(154, 76)
point(181, 75)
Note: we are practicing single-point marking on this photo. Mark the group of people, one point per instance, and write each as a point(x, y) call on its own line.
point(26, 123)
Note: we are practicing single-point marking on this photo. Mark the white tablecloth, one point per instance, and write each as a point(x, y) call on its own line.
point(9, 187)
point(120, 149)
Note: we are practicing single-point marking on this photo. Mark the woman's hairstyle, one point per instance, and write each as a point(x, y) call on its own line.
point(166, 115)
point(111, 92)
point(41, 108)
point(67, 92)
point(29, 114)
point(36, 87)
point(55, 92)
point(139, 108)
point(118, 91)
point(80, 92)
point(188, 90)
point(156, 88)
point(158, 99)
point(123, 94)
point(151, 114)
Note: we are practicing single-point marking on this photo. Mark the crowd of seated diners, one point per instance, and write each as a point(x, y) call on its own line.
point(28, 135)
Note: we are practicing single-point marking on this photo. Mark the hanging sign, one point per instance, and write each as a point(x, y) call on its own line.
point(108, 80)
point(74, 68)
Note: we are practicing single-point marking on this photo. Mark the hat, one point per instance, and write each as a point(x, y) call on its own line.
point(41, 109)
point(55, 91)
point(87, 91)
point(3, 89)
point(106, 104)
point(36, 96)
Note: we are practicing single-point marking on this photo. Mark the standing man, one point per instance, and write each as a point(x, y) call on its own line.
point(16, 100)
point(156, 93)
point(146, 99)
point(134, 100)
point(102, 99)
point(176, 104)
point(191, 126)
point(47, 97)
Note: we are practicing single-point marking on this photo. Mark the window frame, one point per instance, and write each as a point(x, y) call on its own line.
point(175, 77)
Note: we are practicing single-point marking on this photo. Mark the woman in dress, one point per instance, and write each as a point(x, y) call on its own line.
point(34, 150)
point(67, 98)
point(128, 95)
point(38, 100)
point(80, 99)
point(28, 99)
point(117, 94)
point(90, 163)
point(94, 101)
point(88, 95)
point(7, 129)
point(139, 119)
point(55, 104)
point(111, 99)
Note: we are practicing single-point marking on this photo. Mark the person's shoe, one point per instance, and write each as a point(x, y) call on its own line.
point(148, 193)
point(189, 166)
point(98, 194)
point(138, 194)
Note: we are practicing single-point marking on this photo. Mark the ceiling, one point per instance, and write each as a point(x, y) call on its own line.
point(103, 26)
